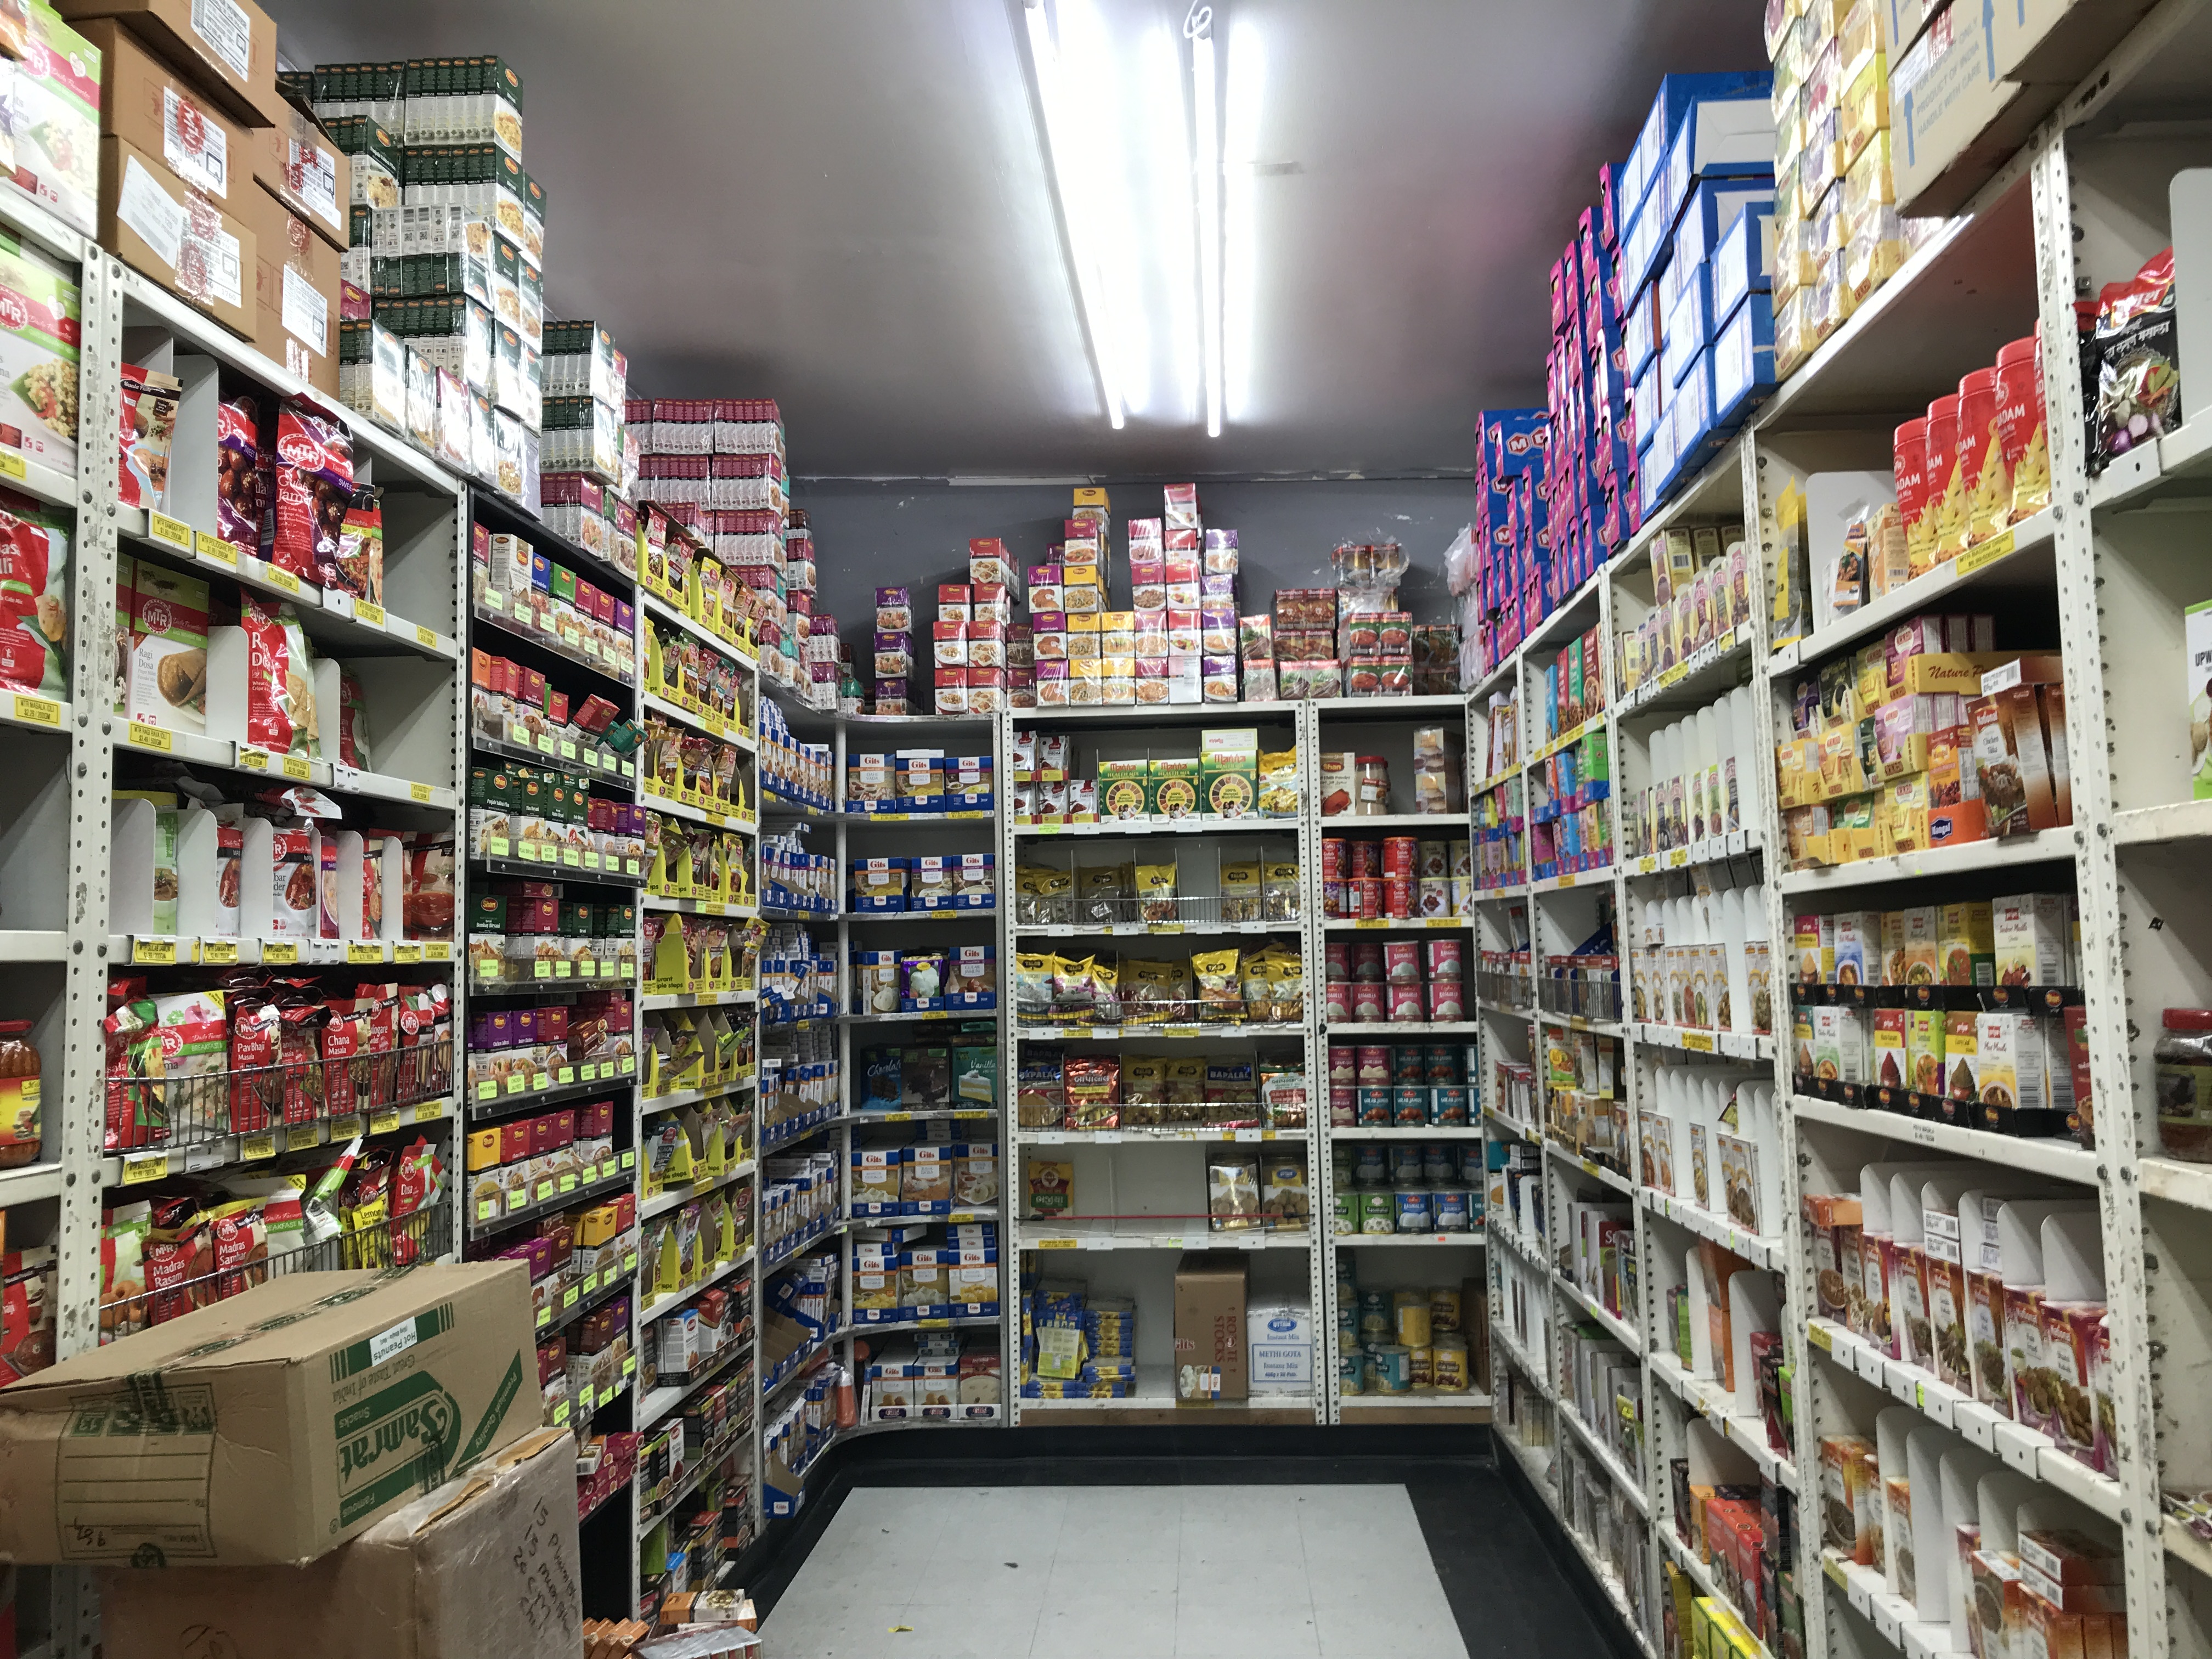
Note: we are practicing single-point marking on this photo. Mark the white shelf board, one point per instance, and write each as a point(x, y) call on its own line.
point(2061, 1160)
point(1760, 1252)
point(1622, 1331)
point(1622, 1477)
point(2043, 847)
point(1710, 1400)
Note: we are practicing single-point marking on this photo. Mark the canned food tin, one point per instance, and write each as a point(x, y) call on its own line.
point(1401, 855)
point(1394, 1368)
point(1336, 1001)
point(1351, 1372)
point(1438, 1166)
point(1432, 896)
point(1367, 960)
point(1443, 958)
point(1375, 1214)
point(1373, 1062)
point(1375, 1315)
point(1368, 1169)
point(1337, 958)
point(1444, 1309)
point(1447, 999)
point(1366, 1002)
point(1331, 858)
point(1409, 1106)
point(1405, 1165)
point(1470, 1066)
point(1346, 1220)
point(1343, 1064)
point(1402, 961)
point(1332, 898)
point(1448, 1103)
point(1448, 1364)
point(1398, 897)
point(1471, 1168)
point(1415, 1214)
point(1440, 1064)
point(1343, 1105)
point(1462, 860)
point(1455, 1210)
point(1347, 1330)
point(1420, 1366)
point(1436, 859)
point(1366, 858)
point(1366, 894)
point(1462, 896)
point(1406, 1065)
point(1408, 1006)
point(1410, 1321)
point(1376, 1106)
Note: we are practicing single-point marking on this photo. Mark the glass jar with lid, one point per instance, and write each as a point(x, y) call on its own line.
point(1371, 793)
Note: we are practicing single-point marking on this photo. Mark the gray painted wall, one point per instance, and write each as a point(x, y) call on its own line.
point(914, 533)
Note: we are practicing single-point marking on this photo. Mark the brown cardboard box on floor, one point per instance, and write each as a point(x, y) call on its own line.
point(1209, 1326)
point(270, 1428)
point(228, 46)
point(150, 222)
point(296, 291)
point(166, 116)
point(297, 163)
point(487, 1566)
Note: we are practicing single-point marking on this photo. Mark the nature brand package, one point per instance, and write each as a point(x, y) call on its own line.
point(366, 1388)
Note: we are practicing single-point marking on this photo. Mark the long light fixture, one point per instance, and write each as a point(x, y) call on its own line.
point(1245, 64)
point(1065, 137)
point(1206, 171)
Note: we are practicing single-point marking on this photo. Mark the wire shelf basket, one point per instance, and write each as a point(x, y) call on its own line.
point(146, 1112)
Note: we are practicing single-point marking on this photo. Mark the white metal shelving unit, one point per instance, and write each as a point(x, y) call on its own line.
point(2114, 562)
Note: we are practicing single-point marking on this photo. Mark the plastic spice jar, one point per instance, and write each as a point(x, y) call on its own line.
point(19, 1094)
point(2183, 1063)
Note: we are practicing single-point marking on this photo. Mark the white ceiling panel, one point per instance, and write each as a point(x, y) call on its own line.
point(847, 206)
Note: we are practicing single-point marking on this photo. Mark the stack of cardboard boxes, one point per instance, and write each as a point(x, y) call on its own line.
point(210, 182)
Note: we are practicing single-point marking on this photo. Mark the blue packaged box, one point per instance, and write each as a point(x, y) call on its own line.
point(1743, 361)
point(1677, 94)
point(1647, 407)
point(1643, 245)
point(1689, 327)
point(1640, 333)
point(1743, 260)
point(1713, 207)
point(1514, 440)
point(1721, 138)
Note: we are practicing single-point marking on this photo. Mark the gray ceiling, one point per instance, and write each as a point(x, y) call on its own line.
point(845, 205)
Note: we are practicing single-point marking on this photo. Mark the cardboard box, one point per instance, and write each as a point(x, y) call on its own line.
point(272, 1427)
point(229, 46)
point(295, 162)
point(2046, 40)
point(1955, 119)
point(1209, 1326)
point(168, 116)
point(296, 291)
point(145, 220)
point(486, 1564)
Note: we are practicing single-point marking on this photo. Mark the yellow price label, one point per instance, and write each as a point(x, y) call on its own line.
point(1821, 1337)
point(495, 602)
point(1567, 880)
point(544, 742)
point(252, 760)
point(295, 767)
point(542, 970)
point(438, 949)
point(573, 857)
point(429, 1111)
point(1057, 1244)
point(629, 1160)
point(143, 736)
point(568, 1183)
point(562, 970)
point(253, 1148)
point(426, 637)
point(630, 864)
point(145, 1166)
point(175, 531)
point(407, 954)
point(38, 711)
point(587, 968)
point(1984, 556)
point(1678, 858)
point(629, 1366)
point(382, 1123)
point(568, 749)
point(542, 1191)
point(419, 792)
point(544, 1315)
point(1367, 923)
point(216, 551)
point(497, 846)
point(516, 1082)
point(541, 1081)
point(276, 955)
point(11, 466)
point(216, 952)
point(568, 1296)
point(487, 969)
point(371, 614)
point(561, 1415)
point(486, 1208)
point(364, 953)
point(346, 1128)
point(1698, 1041)
point(278, 578)
point(564, 1075)
point(153, 952)
point(488, 1089)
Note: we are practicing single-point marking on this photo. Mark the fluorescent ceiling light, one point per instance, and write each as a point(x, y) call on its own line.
point(1245, 64)
point(1073, 157)
point(1171, 229)
point(1206, 171)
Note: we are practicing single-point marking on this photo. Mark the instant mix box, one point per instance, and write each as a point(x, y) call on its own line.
point(485, 1565)
point(270, 1428)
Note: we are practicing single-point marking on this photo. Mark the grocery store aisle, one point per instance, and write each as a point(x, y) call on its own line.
point(1339, 1571)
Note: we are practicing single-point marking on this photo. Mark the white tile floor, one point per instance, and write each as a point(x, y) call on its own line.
point(1117, 1572)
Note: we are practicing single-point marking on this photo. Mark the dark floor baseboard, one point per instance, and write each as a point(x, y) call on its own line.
point(1619, 1638)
